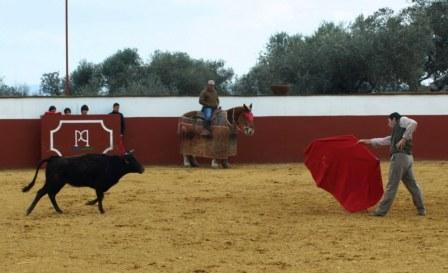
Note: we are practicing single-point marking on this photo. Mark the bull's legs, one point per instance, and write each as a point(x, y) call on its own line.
point(92, 202)
point(52, 197)
point(52, 191)
point(100, 197)
point(39, 195)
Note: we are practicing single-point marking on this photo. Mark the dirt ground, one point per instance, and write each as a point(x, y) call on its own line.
point(251, 218)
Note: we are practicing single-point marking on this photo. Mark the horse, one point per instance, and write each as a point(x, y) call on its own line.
point(222, 143)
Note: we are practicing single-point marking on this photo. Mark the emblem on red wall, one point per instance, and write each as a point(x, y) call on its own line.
point(77, 135)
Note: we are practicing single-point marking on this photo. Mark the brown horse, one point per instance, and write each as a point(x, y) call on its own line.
point(222, 143)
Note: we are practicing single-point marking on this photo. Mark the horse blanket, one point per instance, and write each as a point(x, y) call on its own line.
point(221, 145)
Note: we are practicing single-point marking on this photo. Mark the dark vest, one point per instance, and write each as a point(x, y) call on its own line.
point(397, 135)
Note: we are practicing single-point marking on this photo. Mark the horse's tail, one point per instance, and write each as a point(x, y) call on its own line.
point(27, 188)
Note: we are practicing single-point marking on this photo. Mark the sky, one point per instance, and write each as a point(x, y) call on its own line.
point(32, 33)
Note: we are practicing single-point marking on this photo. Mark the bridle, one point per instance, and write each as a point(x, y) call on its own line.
point(235, 124)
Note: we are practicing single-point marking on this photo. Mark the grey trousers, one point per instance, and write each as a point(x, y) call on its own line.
point(401, 169)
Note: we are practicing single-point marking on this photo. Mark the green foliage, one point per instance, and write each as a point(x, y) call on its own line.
point(148, 85)
point(435, 13)
point(9, 91)
point(330, 66)
point(87, 79)
point(394, 48)
point(383, 52)
point(256, 82)
point(186, 76)
point(51, 84)
point(124, 73)
point(121, 70)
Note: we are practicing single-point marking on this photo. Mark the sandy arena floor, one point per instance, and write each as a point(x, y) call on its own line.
point(251, 218)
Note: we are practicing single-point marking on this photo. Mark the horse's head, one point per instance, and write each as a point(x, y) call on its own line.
point(245, 120)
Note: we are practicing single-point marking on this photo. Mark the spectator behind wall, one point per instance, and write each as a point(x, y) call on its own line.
point(84, 109)
point(116, 111)
point(52, 111)
point(67, 111)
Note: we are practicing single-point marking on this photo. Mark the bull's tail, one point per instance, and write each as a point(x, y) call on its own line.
point(27, 188)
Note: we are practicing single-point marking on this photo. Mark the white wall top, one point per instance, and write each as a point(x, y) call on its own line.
point(363, 105)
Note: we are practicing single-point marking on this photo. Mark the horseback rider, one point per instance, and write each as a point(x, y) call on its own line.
point(209, 101)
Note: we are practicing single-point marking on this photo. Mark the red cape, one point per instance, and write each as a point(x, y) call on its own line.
point(347, 170)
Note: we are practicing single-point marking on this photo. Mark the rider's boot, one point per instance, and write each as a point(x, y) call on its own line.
point(207, 129)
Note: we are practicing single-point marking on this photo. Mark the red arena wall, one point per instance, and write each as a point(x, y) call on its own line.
point(279, 137)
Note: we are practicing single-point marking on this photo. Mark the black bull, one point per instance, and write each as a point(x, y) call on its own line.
point(99, 172)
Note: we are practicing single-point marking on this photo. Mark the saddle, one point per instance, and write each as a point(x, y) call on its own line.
point(219, 117)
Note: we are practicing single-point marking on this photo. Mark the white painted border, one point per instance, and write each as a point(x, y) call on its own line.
point(361, 105)
point(101, 122)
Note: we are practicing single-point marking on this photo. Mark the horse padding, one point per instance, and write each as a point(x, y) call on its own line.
point(220, 145)
point(189, 127)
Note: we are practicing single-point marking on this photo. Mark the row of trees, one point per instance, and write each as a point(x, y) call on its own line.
point(386, 51)
point(13, 91)
point(383, 52)
point(124, 73)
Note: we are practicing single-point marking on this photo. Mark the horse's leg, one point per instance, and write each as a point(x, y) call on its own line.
point(225, 163)
point(193, 161)
point(190, 161)
point(186, 161)
point(214, 163)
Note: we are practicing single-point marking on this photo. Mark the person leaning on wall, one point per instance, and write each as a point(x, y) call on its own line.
point(52, 111)
point(84, 109)
point(116, 111)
